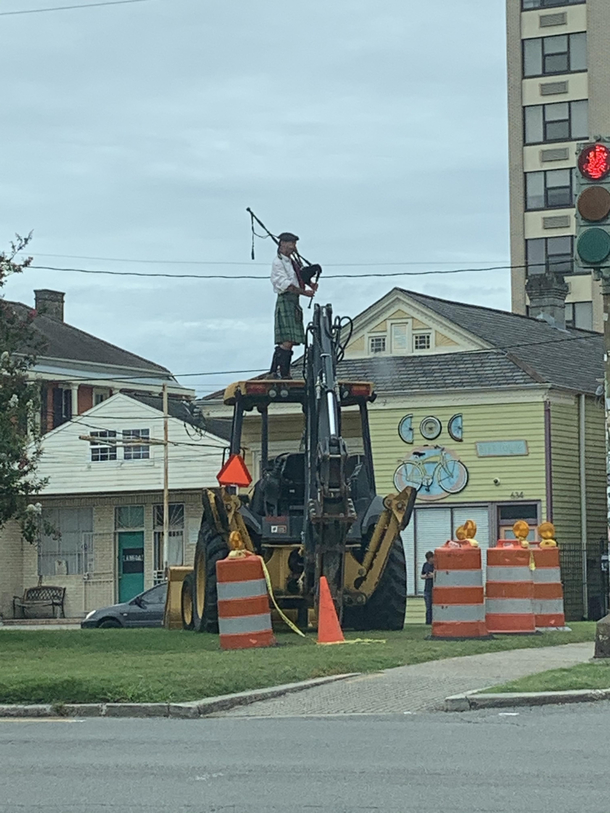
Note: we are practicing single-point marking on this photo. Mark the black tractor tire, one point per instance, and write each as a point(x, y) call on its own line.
point(186, 603)
point(387, 607)
point(211, 548)
point(109, 623)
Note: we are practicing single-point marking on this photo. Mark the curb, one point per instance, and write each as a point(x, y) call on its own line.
point(470, 700)
point(189, 710)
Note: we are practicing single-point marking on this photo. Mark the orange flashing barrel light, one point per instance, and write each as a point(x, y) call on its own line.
point(244, 619)
point(509, 602)
point(458, 601)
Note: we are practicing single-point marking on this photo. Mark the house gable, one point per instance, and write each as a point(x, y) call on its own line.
point(398, 325)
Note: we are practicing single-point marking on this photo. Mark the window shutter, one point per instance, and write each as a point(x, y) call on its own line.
point(433, 530)
point(58, 407)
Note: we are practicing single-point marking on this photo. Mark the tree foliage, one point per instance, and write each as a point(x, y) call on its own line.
point(20, 447)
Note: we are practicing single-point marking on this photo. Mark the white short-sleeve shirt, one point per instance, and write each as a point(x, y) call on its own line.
point(283, 274)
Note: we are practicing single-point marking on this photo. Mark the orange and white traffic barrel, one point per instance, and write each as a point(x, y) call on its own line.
point(458, 601)
point(509, 604)
point(548, 590)
point(244, 619)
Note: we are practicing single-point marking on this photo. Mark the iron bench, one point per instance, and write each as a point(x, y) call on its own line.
point(38, 598)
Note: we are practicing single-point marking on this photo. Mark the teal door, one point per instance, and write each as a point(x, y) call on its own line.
point(131, 564)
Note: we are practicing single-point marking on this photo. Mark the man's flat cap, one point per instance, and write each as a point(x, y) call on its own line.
point(287, 237)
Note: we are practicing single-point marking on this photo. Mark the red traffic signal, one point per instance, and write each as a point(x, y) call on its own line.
point(594, 162)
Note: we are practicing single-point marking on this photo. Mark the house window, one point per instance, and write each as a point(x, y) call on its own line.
point(377, 344)
point(100, 395)
point(129, 517)
point(62, 406)
point(530, 4)
point(400, 338)
point(566, 53)
point(138, 451)
point(563, 121)
point(579, 314)
point(549, 190)
point(100, 450)
point(422, 341)
point(176, 537)
point(68, 551)
point(554, 254)
point(510, 513)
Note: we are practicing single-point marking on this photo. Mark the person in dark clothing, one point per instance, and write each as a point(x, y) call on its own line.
point(427, 573)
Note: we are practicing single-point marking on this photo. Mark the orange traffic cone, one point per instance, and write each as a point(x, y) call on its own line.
point(329, 629)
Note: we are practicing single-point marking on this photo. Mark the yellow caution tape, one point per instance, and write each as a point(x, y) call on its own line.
point(284, 618)
point(294, 627)
point(355, 641)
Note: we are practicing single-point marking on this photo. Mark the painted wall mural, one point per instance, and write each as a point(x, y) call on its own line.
point(435, 471)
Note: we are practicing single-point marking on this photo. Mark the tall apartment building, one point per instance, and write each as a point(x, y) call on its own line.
point(558, 95)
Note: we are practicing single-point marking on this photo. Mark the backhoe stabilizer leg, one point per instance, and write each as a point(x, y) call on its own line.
point(392, 521)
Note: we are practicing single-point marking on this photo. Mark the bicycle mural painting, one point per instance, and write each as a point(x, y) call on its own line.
point(434, 471)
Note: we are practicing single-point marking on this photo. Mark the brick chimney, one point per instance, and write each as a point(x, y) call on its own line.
point(547, 295)
point(50, 303)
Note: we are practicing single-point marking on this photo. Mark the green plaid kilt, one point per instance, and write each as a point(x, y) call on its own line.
point(289, 319)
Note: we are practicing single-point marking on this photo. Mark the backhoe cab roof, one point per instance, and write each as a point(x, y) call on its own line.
point(262, 392)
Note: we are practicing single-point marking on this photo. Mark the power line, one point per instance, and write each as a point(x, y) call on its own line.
point(250, 263)
point(69, 8)
point(94, 381)
point(78, 422)
point(495, 349)
point(266, 278)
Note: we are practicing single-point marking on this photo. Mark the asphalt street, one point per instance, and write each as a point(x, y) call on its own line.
point(551, 760)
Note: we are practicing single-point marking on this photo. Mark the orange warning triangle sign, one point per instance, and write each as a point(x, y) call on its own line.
point(234, 472)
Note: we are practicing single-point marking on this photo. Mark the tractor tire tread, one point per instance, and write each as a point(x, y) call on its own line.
point(386, 609)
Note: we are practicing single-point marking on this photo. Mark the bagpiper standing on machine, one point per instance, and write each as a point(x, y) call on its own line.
point(292, 276)
point(289, 284)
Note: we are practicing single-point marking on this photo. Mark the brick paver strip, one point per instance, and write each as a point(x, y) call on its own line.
point(421, 687)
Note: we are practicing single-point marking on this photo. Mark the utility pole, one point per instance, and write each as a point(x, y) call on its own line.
point(165, 482)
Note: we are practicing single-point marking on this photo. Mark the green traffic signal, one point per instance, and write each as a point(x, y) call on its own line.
point(593, 246)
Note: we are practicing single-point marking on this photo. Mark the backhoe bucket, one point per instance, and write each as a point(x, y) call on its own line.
point(172, 617)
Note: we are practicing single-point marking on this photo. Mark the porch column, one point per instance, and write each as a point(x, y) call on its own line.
point(74, 389)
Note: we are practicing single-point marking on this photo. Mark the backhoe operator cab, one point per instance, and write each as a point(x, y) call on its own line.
point(314, 511)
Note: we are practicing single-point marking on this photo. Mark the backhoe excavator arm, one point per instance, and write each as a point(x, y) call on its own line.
point(329, 511)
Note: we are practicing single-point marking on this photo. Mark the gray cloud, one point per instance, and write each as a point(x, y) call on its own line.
point(377, 131)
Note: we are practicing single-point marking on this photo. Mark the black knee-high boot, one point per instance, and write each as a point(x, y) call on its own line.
point(273, 372)
point(285, 359)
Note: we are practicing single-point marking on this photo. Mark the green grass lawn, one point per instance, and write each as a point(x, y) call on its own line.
point(583, 676)
point(153, 665)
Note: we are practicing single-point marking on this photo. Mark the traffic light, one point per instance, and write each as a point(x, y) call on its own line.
point(593, 205)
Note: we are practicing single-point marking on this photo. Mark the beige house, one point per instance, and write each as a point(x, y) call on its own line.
point(105, 499)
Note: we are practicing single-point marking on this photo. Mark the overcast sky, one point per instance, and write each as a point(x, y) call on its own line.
point(374, 129)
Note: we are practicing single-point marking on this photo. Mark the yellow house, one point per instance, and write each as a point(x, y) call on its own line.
point(492, 416)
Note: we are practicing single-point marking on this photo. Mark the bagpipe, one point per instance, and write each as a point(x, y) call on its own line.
point(309, 272)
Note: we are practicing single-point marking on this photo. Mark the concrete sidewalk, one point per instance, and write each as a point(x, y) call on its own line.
point(421, 687)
